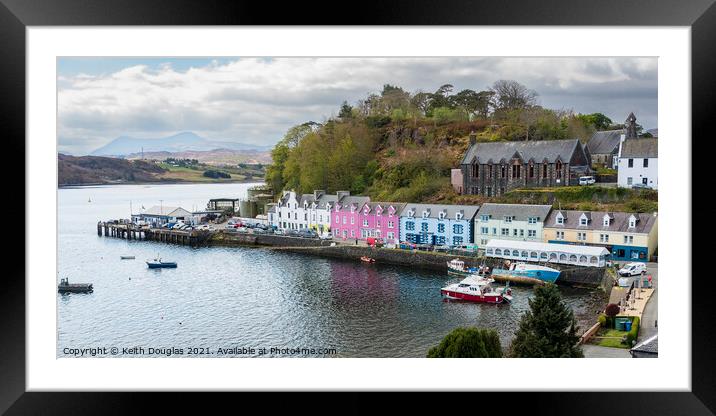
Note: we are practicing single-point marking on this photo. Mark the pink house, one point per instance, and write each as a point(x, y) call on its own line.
point(381, 220)
point(345, 216)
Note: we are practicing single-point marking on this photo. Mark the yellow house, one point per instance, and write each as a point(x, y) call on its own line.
point(627, 236)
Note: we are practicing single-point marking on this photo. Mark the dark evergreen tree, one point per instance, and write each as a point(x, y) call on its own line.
point(468, 343)
point(548, 329)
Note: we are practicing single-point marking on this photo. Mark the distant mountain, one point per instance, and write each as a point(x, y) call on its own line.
point(182, 142)
point(72, 170)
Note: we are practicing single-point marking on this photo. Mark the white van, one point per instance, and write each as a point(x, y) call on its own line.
point(587, 180)
point(632, 269)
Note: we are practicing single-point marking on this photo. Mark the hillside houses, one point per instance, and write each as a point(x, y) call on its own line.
point(638, 163)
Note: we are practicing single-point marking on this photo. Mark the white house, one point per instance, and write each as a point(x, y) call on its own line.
point(296, 212)
point(638, 163)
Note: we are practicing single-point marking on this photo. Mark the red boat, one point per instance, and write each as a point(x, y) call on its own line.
point(475, 288)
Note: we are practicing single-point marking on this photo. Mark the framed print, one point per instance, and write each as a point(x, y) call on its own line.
point(238, 207)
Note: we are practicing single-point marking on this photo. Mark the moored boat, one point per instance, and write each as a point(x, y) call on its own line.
point(157, 263)
point(534, 271)
point(367, 259)
point(126, 257)
point(66, 287)
point(476, 288)
point(457, 267)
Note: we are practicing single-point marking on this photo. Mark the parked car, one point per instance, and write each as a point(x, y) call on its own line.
point(326, 236)
point(587, 180)
point(632, 269)
point(278, 232)
point(292, 233)
point(260, 231)
point(306, 233)
point(242, 230)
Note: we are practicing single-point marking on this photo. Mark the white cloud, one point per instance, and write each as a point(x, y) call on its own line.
point(254, 100)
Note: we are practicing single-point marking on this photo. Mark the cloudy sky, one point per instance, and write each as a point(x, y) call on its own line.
point(255, 100)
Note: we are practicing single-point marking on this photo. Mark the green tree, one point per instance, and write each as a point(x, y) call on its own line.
point(511, 95)
point(548, 329)
point(468, 343)
point(346, 111)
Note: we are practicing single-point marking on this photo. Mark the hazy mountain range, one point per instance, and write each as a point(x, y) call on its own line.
point(182, 142)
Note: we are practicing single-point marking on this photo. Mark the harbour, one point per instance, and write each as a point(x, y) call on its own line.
point(236, 294)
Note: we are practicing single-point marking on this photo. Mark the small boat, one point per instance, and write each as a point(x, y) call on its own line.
point(157, 263)
point(66, 287)
point(476, 288)
point(367, 259)
point(126, 257)
point(534, 271)
point(457, 267)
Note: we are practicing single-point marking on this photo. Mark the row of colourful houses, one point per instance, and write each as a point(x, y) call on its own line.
point(628, 236)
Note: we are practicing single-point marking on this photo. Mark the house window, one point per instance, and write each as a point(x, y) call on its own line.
point(532, 171)
point(516, 171)
point(544, 171)
point(390, 224)
point(484, 230)
point(646, 163)
point(457, 241)
point(489, 191)
point(391, 235)
point(628, 239)
point(457, 229)
point(424, 227)
point(505, 231)
point(532, 220)
point(475, 170)
point(583, 221)
point(515, 231)
point(353, 233)
point(508, 219)
point(560, 220)
point(503, 172)
point(353, 220)
point(631, 163)
point(377, 222)
point(522, 233)
point(365, 223)
point(632, 222)
point(603, 238)
point(606, 221)
point(582, 236)
point(558, 167)
point(531, 233)
point(489, 172)
point(410, 226)
point(494, 231)
point(484, 218)
point(441, 228)
point(344, 219)
point(629, 180)
point(440, 240)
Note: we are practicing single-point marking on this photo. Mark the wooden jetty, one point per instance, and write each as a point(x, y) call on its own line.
point(130, 231)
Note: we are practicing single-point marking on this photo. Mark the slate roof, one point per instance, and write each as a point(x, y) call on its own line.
point(539, 150)
point(321, 201)
point(520, 212)
point(168, 211)
point(397, 205)
point(347, 200)
point(620, 221)
point(468, 211)
point(650, 345)
point(605, 142)
point(640, 148)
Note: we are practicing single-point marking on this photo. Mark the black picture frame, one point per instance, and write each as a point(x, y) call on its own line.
point(16, 15)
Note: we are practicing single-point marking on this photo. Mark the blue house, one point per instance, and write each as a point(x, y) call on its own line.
point(440, 225)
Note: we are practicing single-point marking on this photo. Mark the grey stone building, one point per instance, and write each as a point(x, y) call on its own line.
point(493, 168)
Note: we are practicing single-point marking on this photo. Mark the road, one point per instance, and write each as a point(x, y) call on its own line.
point(648, 325)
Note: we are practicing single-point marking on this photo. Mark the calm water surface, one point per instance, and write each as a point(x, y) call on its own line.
point(250, 297)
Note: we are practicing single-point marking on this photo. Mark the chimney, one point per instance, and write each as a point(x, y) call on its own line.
point(473, 138)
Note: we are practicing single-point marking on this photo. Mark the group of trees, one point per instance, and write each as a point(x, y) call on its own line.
point(357, 149)
point(216, 174)
point(547, 330)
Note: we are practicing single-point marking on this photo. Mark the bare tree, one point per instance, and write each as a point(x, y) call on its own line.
point(511, 95)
